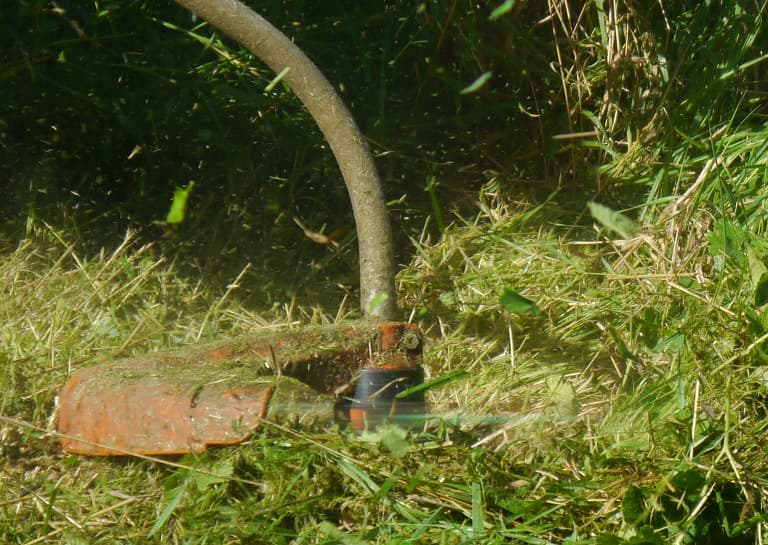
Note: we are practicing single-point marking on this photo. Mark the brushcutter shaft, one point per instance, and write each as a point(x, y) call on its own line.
point(374, 233)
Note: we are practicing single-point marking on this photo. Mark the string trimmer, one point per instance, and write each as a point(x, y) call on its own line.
point(184, 401)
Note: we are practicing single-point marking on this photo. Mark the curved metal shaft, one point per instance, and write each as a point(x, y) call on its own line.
point(377, 268)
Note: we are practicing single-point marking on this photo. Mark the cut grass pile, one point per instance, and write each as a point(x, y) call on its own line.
point(628, 409)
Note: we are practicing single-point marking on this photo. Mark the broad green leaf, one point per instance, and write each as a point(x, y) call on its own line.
point(612, 220)
point(563, 397)
point(326, 528)
point(179, 204)
point(448, 298)
point(517, 304)
point(394, 439)
point(219, 473)
point(673, 343)
point(391, 437)
point(505, 7)
point(477, 84)
point(688, 480)
point(727, 240)
point(633, 505)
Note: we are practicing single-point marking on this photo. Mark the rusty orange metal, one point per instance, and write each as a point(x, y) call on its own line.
point(154, 415)
point(187, 400)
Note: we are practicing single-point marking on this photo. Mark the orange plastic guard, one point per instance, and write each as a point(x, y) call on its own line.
point(184, 401)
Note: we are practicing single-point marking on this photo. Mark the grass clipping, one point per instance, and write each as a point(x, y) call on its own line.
point(623, 410)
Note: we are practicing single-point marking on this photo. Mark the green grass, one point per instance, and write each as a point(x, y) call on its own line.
point(630, 408)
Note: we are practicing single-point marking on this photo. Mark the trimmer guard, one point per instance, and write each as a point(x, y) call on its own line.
point(184, 401)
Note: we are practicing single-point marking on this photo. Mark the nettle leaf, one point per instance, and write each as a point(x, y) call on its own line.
point(688, 480)
point(179, 205)
point(562, 395)
point(633, 505)
point(674, 343)
point(727, 241)
point(612, 220)
point(517, 304)
point(394, 438)
point(220, 472)
point(391, 437)
point(448, 298)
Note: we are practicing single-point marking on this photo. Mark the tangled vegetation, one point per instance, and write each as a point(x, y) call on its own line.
point(624, 405)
